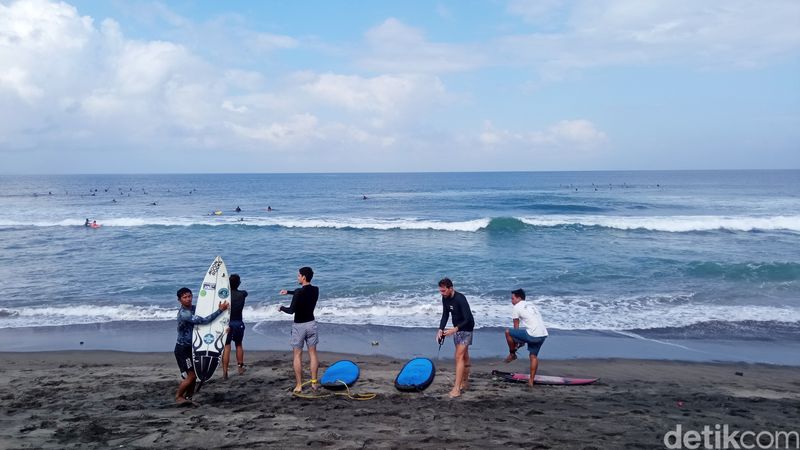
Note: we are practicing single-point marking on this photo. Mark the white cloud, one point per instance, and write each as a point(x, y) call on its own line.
point(386, 94)
point(396, 47)
point(731, 33)
point(70, 84)
point(577, 135)
point(538, 12)
point(297, 130)
point(269, 42)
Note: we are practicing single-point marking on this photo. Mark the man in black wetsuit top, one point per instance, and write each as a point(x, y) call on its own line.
point(236, 332)
point(304, 329)
point(455, 304)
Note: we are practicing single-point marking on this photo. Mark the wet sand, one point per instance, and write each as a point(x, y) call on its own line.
point(105, 399)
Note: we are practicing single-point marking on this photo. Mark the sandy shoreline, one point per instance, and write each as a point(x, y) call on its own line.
point(103, 399)
point(400, 342)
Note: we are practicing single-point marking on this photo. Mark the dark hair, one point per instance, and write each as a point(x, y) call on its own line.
point(183, 290)
point(445, 282)
point(519, 293)
point(306, 272)
point(235, 281)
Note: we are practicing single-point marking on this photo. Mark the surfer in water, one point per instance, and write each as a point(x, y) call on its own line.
point(304, 328)
point(236, 333)
point(183, 348)
point(455, 304)
point(87, 224)
point(533, 331)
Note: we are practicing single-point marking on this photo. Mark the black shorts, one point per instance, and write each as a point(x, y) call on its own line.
point(183, 354)
point(236, 334)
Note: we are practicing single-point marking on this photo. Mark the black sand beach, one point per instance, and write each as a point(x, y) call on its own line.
point(105, 399)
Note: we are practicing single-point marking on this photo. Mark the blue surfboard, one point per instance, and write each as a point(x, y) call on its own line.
point(416, 375)
point(339, 375)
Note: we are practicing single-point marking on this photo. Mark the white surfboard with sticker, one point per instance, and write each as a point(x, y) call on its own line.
point(208, 340)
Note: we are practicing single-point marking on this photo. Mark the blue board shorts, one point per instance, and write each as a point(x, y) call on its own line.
point(304, 333)
point(521, 336)
point(236, 334)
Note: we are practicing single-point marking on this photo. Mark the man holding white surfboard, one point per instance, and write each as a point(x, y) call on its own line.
point(183, 348)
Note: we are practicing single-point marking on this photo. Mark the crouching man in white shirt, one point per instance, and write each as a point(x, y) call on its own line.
point(532, 331)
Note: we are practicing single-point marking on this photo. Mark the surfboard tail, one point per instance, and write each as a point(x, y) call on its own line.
point(205, 363)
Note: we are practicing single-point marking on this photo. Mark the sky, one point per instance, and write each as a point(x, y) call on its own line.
point(112, 86)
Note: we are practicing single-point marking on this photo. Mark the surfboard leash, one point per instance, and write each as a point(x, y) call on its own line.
point(349, 394)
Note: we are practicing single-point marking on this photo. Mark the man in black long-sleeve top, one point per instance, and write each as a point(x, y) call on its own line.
point(455, 304)
point(304, 329)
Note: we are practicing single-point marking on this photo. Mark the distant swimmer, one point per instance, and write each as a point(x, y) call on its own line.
point(238, 209)
point(363, 197)
point(87, 224)
point(113, 200)
point(269, 208)
point(154, 204)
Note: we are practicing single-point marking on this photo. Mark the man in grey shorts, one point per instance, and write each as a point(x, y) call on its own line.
point(304, 329)
point(455, 304)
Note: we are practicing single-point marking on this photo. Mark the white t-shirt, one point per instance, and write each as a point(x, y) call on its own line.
point(529, 318)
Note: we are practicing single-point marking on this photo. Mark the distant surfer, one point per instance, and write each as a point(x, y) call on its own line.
point(236, 325)
point(269, 208)
point(455, 304)
point(238, 209)
point(183, 348)
point(533, 331)
point(304, 329)
point(87, 224)
point(363, 197)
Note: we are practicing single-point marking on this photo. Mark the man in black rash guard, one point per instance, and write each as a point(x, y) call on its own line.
point(455, 304)
point(236, 332)
point(304, 329)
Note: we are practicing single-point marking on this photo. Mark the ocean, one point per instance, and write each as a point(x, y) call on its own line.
point(652, 254)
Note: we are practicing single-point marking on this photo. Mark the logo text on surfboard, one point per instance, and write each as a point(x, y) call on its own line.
point(214, 267)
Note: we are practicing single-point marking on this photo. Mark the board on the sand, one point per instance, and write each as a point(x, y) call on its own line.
point(541, 379)
point(416, 375)
point(340, 375)
point(209, 339)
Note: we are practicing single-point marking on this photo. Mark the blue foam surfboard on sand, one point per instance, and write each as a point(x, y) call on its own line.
point(541, 379)
point(340, 375)
point(416, 375)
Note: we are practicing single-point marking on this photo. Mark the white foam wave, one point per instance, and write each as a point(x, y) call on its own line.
point(675, 224)
point(414, 310)
point(286, 222)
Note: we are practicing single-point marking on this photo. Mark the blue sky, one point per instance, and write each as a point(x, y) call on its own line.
point(353, 86)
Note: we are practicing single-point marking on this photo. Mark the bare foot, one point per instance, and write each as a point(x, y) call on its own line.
point(225, 375)
point(241, 369)
point(454, 393)
point(297, 389)
point(464, 386)
point(510, 357)
point(183, 402)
